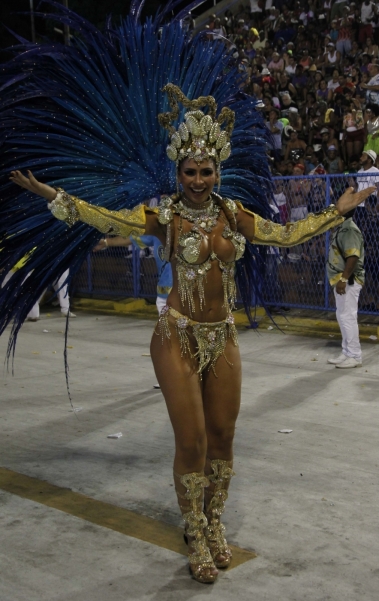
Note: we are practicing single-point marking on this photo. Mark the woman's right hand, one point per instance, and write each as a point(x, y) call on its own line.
point(33, 185)
point(101, 245)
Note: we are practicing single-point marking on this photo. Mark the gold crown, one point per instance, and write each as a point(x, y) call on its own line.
point(200, 136)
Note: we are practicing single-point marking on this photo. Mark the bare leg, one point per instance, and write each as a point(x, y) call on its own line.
point(222, 398)
point(182, 390)
point(349, 151)
point(357, 147)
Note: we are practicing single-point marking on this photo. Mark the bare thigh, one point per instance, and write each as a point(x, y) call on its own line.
point(222, 399)
point(182, 389)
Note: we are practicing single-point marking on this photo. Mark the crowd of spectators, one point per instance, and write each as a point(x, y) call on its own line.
point(314, 68)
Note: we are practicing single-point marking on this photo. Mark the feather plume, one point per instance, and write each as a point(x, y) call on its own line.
point(84, 117)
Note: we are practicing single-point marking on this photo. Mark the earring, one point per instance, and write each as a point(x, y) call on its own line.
point(219, 180)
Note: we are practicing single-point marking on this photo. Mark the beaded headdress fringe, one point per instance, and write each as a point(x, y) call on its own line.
point(199, 136)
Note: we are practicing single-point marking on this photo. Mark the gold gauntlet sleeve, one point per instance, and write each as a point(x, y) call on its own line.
point(271, 234)
point(122, 223)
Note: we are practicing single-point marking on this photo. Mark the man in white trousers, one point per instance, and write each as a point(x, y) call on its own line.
point(346, 275)
point(62, 294)
point(63, 300)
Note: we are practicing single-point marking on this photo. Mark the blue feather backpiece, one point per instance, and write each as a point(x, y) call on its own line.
point(84, 117)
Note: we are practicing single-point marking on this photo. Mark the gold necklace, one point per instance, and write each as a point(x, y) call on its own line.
point(189, 204)
point(204, 215)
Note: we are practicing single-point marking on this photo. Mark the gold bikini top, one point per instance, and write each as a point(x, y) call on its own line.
point(191, 272)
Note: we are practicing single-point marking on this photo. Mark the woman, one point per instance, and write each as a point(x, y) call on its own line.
point(355, 76)
point(353, 130)
point(295, 121)
point(295, 149)
point(332, 58)
point(322, 92)
point(345, 36)
point(276, 65)
point(372, 128)
point(285, 85)
point(194, 346)
point(355, 52)
point(305, 60)
point(360, 90)
point(371, 49)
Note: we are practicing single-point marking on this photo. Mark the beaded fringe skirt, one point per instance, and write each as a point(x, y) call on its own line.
point(211, 338)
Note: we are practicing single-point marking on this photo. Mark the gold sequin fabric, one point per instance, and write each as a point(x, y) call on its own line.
point(124, 223)
point(272, 234)
point(193, 278)
point(215, 530)
point(195, 521)
point(199, 136)
point(222, 473)
point(211, 338)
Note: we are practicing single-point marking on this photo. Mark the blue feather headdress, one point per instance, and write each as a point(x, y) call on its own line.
point(84, 117)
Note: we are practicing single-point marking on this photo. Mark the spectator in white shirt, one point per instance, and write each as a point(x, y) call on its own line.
point(276, 128)
point(372, 86)
point(368, 12)
point(362, 182)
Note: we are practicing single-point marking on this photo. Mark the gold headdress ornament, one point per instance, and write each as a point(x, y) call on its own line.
point(200, 136)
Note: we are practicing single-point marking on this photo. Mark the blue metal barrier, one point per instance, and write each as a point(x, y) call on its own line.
point(295, 277)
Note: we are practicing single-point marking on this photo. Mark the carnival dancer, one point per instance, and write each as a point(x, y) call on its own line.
point(194, 347)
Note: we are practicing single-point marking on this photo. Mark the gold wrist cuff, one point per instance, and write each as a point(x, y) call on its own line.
point(124, 223)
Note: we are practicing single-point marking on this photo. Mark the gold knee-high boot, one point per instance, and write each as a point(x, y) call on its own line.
point(215, 497)
point(202, 567)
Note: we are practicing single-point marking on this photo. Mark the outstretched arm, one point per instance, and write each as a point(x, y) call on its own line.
point(105, 243)
point(30, 183)
point(70, 209)
point(263, 231)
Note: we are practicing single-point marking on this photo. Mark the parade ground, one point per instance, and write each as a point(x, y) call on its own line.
point(88, 510)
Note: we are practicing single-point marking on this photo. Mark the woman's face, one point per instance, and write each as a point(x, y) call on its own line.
point(198, 181)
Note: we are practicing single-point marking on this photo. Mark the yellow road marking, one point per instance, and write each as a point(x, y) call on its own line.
point(104, 514)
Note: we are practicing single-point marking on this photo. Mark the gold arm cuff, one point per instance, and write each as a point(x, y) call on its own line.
point(272, 234)
point(122, 223)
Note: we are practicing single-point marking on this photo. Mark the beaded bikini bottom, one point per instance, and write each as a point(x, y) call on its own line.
point(211, 338)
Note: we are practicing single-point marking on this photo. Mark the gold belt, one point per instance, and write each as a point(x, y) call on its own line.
point(211, 337)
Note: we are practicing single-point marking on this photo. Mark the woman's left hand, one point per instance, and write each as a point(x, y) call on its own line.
point(30, 183)
point(351, 199)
